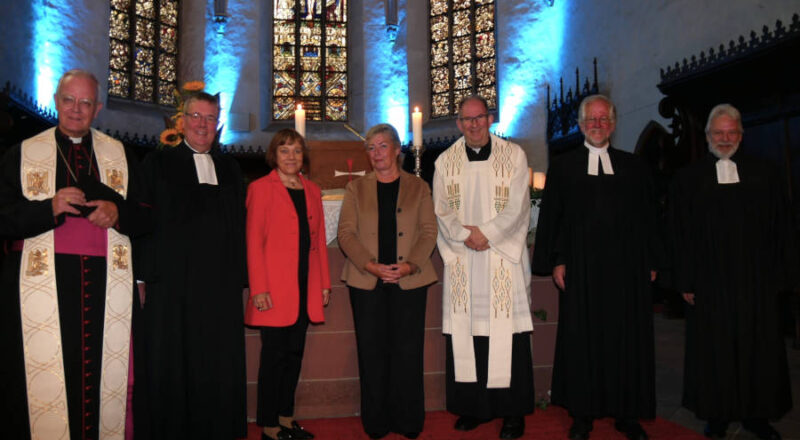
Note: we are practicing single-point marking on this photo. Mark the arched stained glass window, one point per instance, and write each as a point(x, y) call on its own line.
point(463, 53)
point(143, 53)
point(309, 59)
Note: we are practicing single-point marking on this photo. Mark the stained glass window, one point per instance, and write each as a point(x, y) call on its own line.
point(463, 53)
point(309, 59)
point(143, 53)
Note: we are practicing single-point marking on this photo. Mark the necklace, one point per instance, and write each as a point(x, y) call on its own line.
point(293, 183)
point(69, 168)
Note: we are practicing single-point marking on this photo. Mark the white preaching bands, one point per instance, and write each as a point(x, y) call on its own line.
point(598, 156)
point(727, 172)
point(206, 173)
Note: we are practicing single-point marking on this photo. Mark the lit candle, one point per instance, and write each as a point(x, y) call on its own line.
point(300, 120)
point(416, 125)
point(538, 180)
point(530, 177)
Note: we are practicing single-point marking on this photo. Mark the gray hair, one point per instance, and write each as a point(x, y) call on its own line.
point(612, 109)
point(383, 129)
point(727, 110)
point(202, 96)
point(474, 97)
point(79, 73)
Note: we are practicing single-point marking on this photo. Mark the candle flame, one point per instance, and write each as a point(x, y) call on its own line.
point(416, 109)
point(299, 106)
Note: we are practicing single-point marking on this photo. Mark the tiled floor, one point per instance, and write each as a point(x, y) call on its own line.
point(669, 382)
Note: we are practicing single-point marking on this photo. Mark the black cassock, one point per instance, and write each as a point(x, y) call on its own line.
point(80, 281)
point(603, 229)
point(190, 349)
point(734, 248)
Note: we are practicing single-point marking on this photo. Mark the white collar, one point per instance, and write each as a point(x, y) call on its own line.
point(727, 172)
point(598, 156)
point(193, 149)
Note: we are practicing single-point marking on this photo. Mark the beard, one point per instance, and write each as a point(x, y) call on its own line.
point(716, 151)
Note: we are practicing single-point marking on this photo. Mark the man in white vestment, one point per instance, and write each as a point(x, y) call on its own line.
point(482, 203)
point(67, 280)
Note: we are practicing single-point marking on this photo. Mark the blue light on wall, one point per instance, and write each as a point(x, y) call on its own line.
point(51, 24)
point(527, 60)
point(386, 74)
point(224, 53)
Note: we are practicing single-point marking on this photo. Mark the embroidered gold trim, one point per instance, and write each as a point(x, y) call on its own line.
point(115, 179)
point(454, 196)
point(501, 194)
point(502, 161)
point(455, 159)
point(119, 257)
point(37, 263)
point(36, 182)
point(458, 287)
point(501, 290)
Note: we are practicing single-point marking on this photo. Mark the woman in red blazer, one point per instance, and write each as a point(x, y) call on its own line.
point(287, 261)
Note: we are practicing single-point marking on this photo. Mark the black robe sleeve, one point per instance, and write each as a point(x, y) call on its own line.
point(548, 245)
point(22, 218)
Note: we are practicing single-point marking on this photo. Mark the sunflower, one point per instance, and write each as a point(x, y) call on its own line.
point(179, 125)
point(194, 86)
point(170, 137)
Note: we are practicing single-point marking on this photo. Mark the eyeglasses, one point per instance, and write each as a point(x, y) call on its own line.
point(84, 105)
point(470, 120)
point(197, 117)
point(604, 120)
point(719, 134)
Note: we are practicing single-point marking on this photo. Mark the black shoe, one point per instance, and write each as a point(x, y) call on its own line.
point(283, 434)
point(298, 432)
point(762, 430)
point(580, 429)
point(468, 423)
point(716, 429)
point(513, 427)
point(631, 428)
point(411, 435)
point(377, 435)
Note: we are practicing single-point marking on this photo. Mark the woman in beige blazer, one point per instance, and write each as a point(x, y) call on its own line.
point(387, 230)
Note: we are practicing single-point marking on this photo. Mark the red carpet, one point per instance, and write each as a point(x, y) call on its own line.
point(552, 423)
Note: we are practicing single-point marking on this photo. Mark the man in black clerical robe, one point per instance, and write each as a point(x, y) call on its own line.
point(193, 267)
point(596, 234)
point(734, 250)
point(68, 205)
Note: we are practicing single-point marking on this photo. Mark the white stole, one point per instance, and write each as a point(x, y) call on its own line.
point(501, 285)
point(41, 328)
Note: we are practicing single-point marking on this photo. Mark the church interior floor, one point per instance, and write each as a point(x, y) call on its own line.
point(669, 335)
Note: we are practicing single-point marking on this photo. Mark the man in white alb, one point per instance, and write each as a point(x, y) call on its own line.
point(482, 204)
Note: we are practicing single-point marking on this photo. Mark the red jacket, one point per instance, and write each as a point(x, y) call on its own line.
point(272, 253)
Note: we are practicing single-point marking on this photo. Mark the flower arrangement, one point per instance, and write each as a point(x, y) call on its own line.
point(173, 133)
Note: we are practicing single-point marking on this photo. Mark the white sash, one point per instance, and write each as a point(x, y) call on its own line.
point(41, 329)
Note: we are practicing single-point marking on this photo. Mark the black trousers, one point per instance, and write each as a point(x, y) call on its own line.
point(281, 359)
point(390, 335)
point(474, 399)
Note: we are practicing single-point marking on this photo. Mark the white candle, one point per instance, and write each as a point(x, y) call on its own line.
point(538, 180)
point(416, 125)
point(300, 120)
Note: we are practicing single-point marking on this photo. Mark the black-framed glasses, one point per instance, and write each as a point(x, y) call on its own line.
point(470, 120)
